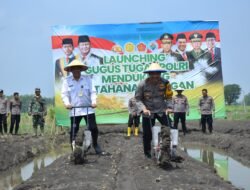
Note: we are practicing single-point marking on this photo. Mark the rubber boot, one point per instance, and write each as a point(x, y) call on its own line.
point(129, 132)
point(136, 131)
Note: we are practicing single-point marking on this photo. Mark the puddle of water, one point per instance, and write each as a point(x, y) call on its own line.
point(226, 167)
point(15, 176)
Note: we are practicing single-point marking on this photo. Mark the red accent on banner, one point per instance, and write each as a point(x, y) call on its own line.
point(101, 43)
point(95, 42)
point(57, 41)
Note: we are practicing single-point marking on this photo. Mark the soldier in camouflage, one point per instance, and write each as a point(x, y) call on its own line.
point(151, 98)
point(197, 53)
point(37, 109)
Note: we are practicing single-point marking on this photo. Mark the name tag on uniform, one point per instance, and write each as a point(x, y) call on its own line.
point(80, 92)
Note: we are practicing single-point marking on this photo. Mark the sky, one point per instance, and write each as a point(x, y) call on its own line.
point(25, 33)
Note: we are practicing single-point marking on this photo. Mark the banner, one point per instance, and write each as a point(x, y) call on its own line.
point(117, 55)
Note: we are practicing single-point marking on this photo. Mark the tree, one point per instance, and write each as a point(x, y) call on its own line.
point(232, 93)
point(247, 99)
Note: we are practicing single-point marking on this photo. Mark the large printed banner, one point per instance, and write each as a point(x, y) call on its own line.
point(117, 55)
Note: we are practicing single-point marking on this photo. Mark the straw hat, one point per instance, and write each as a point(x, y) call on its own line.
point(179, 89)
point(76, 63)
point(155, 67)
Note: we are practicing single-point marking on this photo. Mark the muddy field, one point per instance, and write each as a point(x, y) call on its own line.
point(126, 168)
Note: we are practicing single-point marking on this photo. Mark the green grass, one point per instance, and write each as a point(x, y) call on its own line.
point(26, 123)
point(233, 112)
point(238, 112)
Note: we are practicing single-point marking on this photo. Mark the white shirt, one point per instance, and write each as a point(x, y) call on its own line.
point(79, 93)
point(4, 106)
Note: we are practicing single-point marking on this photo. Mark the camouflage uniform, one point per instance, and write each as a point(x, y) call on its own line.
point(37, 109)
point(153, 98)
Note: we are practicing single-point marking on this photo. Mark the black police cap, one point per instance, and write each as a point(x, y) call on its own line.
point(210, 35)
point(195, 35)
point(181, 36)
point(166, 36)
point(67, 41)
point(84, 38)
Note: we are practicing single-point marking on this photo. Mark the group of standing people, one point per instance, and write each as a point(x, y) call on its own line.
point(13, 108)
point(206, 109)
point(37, 109)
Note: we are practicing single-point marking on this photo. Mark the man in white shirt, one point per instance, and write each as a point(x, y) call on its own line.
point(67, 48)
point(78, 90)
point(86, 55)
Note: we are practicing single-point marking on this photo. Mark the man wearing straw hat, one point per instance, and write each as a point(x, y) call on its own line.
point(78, 90)
point(151, 98)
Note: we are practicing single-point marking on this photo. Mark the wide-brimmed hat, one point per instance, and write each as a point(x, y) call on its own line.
point(155, 67)
point(76, 63)
point(179, 89)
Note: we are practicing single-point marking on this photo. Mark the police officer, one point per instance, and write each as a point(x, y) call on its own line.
point(180, 109)
point(151, 98)
point(78, 90)
point(68, 48)
point(197, 53)
point(207, 109)
point(134, 117)
point(166, 45)
point(15, 110)
point(86, 56)
point(37, 109)
point(4, 112)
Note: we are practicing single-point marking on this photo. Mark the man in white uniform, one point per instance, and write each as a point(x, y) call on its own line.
point(78, 90)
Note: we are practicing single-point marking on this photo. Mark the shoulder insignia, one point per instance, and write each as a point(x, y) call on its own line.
point(98, 57)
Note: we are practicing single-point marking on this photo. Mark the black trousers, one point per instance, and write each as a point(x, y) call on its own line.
point(147, 131)
point(133, 120)
point(91, 123)
point(180, 116)
point(15, 120)
point(3, 123)
point(207, 119)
